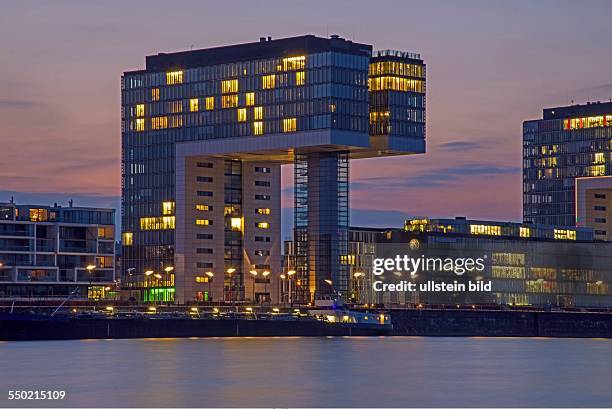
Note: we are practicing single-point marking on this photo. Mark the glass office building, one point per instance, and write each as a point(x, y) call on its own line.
point(204, 134)
point(526, 264)
point(567, 143)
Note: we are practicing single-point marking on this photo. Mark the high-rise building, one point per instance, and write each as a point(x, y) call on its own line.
point(204, 135)
point(54, 251)
point(568, 143)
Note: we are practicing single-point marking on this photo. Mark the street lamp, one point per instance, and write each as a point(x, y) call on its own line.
point(90, 268)
point(254, 275)
point(169, 269)
point(266, 274)
point(229, 272)
point(358, 287)
point(210, 275)
point(290, 274)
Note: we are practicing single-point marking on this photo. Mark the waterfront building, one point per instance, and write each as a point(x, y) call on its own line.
point(204, 135)
point(527, 264)
point(55, 251)
point(566, 144)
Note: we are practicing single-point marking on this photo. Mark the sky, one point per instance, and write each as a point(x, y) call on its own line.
point(490, 66)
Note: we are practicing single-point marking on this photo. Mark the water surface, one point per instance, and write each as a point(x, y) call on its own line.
point(306, 372)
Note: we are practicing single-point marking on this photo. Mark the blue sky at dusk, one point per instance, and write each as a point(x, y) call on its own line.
point(490, 65)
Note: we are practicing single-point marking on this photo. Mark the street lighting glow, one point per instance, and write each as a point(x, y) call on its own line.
point(290, 272)
point(169, 269)
point(230, 270)
point(328, 282)
point(148, 272)
point(158, 276)
point(358, 274)
point(209, 273)
point(282, 276)
point(265, 273)
point(90, 267)
point(253, 272)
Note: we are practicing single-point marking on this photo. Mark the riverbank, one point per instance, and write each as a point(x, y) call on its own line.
point(486, 323)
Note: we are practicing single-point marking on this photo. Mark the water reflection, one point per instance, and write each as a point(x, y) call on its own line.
point(363, 372)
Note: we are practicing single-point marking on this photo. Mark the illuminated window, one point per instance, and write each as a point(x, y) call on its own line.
point(140, 110)
point(294, 63)
point(204, 222)
point(289, 124)
point(210, 103)
point(159, 122)
point(228, 86)
point(200, 279)
point(176, 121)
point(485, 229)
point(127, 238)
point(396, 84)
point(204, 208)
point(140, 124)
point(157, 223)
point(300, 78)
point(175, 107)
point(236, 223)
point(268, 81)
point(167, 208)
point(262, 225)
point(193, 105)
point(525, 232)
point(155, 94)
point(258, 128)
point(562, 234)
point(258, 113)
point(242, 114)
point(600, 157)
point(587, 122)
point(397, 68)
point(250, 98)
point(597, 170)
point(263, 210)
point(229, 101)
point(38, 215)
point(174, 77)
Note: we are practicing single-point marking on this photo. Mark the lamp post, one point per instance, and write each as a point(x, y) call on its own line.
point(229, 272)
point(281, 289)
point(358, 287)
point(266, 274)
point(90, 268)
point(290, 275)
point(147, 283)
point(210, 276)
point(254, 273)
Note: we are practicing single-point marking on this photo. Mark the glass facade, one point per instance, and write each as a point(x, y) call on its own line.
point(568, 143)
point(252, 90)
point(397, 94)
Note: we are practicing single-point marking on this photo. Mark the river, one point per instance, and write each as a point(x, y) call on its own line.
point(306, 372)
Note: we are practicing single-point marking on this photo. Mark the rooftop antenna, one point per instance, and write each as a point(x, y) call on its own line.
point(70, 203)
point(12, 199)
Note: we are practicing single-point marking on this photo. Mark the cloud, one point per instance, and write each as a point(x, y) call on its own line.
point(431, 179)
point(9, 103)
point(457, 146)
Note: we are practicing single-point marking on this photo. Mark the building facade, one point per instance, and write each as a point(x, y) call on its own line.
point(567, 143)
point(204, 135)
point(594, 205)
point(526, 264)
point(54, 251)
